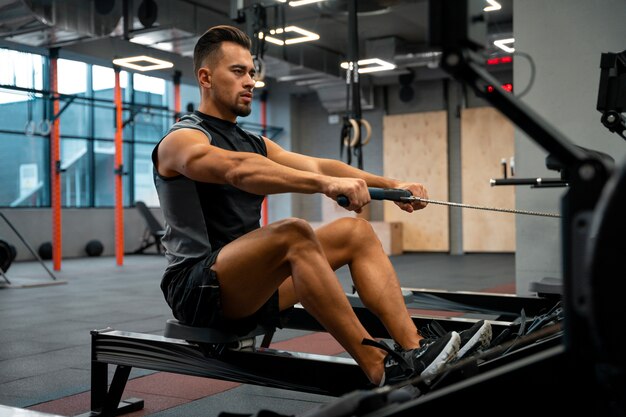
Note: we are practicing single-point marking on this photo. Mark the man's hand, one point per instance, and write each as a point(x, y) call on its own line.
point(354, 189)
point(418, 190)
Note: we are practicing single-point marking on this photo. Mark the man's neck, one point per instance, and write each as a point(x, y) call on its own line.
point(211, 110)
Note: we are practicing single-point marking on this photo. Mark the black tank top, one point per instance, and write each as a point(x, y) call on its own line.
point(202, 217)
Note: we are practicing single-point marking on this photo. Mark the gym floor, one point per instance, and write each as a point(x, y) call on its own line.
point(45, 327)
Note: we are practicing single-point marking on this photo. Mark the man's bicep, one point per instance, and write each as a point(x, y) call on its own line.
point(188, 152)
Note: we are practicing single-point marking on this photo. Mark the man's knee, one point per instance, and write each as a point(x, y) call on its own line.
point(298, 238)
point(355, 227)
point(354, 234)
point(293, 230)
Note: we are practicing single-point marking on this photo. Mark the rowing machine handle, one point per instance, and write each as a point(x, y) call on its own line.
point(393, 194)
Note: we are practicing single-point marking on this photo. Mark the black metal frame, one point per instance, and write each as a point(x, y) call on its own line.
point(328, 375)
point(267, 367)
point(505, 306)
point(571, 366)
point(587, 177)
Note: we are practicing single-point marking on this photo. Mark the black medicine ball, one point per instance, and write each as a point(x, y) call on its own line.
point(45, 251)
point(94, 248)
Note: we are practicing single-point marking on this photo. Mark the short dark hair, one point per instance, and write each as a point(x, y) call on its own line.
point(209, 43)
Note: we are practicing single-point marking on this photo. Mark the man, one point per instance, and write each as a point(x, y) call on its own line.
point(225, 271)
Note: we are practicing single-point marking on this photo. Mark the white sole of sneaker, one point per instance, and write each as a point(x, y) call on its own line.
point(446, 355)
point(481, 338)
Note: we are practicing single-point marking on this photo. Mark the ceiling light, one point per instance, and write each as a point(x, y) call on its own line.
point(138, 63)
point(296, 3)
point(493, 6)
point(371, 65)
point(142, 40)
point(503, 44)
point(259, 84)
point(307, 36)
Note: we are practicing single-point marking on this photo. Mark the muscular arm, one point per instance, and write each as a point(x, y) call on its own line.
point(334, 168)
point(187, 152)
point(324, 166)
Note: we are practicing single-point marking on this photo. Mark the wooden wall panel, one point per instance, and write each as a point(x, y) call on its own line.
point(486, 138)
point(415, 148)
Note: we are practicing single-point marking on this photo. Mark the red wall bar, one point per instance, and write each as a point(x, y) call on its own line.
point(55, 165)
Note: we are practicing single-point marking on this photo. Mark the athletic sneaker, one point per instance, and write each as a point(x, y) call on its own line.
point(474, 339)
point(426, 361)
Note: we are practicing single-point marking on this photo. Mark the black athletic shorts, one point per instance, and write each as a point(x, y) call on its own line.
point(193, 293)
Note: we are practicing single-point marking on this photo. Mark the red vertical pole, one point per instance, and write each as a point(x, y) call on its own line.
point(264, 209)
point(55, 165)
point(119, 173)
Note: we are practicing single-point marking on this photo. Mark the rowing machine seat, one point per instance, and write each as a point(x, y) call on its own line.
point(206, 335)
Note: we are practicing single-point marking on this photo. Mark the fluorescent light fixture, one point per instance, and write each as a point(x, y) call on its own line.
point(371, 65)
point(139, 63)
point(503, 44)
point(307, 36)
point(493, 6)
point(142, 40)
point(296, 3)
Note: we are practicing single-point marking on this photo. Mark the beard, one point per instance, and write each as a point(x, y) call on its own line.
point(233, 104)
point(242, 110)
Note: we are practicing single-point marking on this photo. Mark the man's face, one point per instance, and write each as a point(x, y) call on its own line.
point(232, 80)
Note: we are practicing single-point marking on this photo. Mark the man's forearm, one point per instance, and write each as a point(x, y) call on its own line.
point(260, 175)
point(334, 168)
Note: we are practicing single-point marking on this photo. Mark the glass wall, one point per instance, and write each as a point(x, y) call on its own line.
point(24, 142)
point(87, 127)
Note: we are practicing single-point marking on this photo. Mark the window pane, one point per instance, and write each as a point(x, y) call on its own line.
point(150, 126)
point(20, 69)
point(76, 178)
point(25, 169)
point(72, 77)
point(104, 175)
point(75, 119)
point(104, 82)
point(104, 160)
point(24, 116)
point(189, 97)
point(104, 122)
point(153, 117)
point(144, 184)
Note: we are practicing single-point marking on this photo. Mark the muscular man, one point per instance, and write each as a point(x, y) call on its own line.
point(226, 271)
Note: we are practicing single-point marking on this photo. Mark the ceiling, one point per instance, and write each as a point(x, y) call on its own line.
point(394, 30)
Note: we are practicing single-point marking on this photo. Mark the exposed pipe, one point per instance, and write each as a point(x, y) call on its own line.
point(353, 77)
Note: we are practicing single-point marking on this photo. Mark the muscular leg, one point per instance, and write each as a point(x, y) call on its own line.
point(352, 242)
point(252, 267)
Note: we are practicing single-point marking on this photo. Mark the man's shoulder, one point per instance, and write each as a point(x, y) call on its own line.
point(189, 121)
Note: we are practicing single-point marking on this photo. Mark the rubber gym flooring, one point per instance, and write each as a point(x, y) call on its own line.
point(45, 332)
